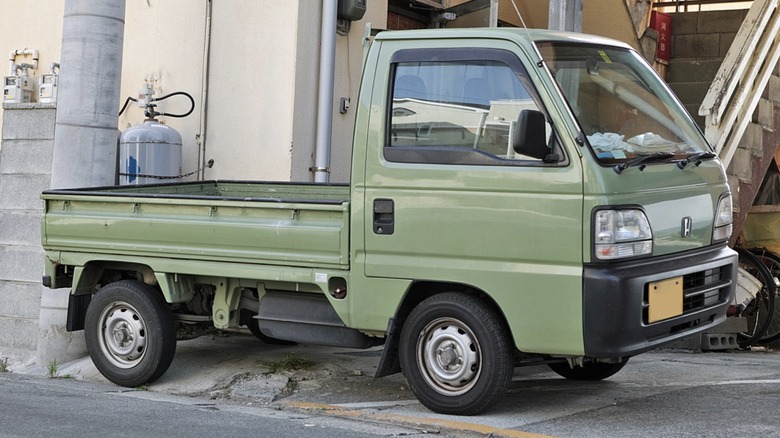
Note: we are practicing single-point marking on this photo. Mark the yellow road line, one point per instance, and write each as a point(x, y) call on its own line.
point(408, 420)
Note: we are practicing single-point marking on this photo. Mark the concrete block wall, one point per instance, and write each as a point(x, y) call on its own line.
point(700, 41)
point(31, 316)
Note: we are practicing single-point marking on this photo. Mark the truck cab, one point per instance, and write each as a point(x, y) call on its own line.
point(552, 175)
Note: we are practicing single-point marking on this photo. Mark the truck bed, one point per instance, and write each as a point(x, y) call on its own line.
point(288, 224)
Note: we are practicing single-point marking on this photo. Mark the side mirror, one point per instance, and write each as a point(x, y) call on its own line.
point(529, 136)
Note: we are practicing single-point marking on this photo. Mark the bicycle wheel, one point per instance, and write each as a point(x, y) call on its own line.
point(772, 263)
point(756, 295)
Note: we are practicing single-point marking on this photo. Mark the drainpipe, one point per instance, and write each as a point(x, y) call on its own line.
point(325, 98)
point(86, 129)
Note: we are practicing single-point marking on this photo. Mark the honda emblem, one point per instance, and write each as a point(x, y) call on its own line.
point(687, 224)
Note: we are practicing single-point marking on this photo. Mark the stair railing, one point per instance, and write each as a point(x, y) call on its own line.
point(734, 94)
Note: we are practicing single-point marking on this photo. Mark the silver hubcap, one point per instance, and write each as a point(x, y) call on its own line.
point(122, 335)
point(448, 355)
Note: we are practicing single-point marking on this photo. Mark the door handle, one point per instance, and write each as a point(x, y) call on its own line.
point(384, 216)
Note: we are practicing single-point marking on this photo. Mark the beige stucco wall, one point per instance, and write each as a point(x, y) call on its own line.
point(349, 66)
point(38, 27)
point(261, 92)
point(251, 89)
point(164, 44)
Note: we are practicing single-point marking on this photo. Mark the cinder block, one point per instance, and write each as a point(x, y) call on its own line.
point(22, 192)
point(765, 115)
point(20, 227)
point(697, 46)
point(28, 123)
point(682, 70)
point(774, 89)
point(726, 39)
point(26, 157)
point(20, 299)
point(720, 21)
point(19, 333)
point(718, 341)
point(741, 165)
point(21, 264)
point(753, 140)
point(691, 93)
point(684, 23)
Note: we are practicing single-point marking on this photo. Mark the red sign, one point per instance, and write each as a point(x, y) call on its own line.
point(662, 23)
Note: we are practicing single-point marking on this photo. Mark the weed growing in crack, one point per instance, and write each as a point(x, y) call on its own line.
point(291, 362)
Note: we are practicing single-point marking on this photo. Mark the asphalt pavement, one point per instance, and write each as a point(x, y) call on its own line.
point(662, 393)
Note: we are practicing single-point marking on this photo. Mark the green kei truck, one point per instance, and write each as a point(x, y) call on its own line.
point(516, 197)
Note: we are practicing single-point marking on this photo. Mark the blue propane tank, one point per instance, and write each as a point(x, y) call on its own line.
point(149, 153)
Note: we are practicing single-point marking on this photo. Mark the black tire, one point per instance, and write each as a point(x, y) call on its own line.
point(456, 355)
point(772, 263)
point(760, 309)
point(250, 323)
point(589, 371)
point(130, 333)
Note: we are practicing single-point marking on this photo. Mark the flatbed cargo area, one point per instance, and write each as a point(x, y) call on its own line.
point(304, 225)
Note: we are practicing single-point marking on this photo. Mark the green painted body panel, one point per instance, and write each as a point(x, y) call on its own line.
point(522, 235)
point(205, 227)
point(667, 194)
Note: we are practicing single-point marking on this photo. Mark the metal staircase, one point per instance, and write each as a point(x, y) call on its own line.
point(742, 106)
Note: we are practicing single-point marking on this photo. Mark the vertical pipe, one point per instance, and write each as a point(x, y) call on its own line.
point(205, 74)
point(86, 128)
point(325, 96)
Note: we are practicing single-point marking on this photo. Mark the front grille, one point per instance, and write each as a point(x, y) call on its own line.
point(701, 290)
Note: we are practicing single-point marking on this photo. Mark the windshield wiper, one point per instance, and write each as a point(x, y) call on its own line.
point(695, 159)
point(641, 159)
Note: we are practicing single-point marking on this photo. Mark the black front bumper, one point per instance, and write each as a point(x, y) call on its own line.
point(615, 300)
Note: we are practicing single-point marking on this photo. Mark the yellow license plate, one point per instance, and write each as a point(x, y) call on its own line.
point(665, 298)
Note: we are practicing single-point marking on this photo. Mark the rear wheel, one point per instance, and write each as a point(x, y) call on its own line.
point(455, 354)
point(130, 333)
point(590, 371)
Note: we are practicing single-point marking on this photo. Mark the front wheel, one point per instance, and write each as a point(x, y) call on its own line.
point(455, 354)
point(589, 371)
point(130, 333)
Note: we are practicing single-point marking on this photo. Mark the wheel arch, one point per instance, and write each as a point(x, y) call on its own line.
point(419, 291)
point(94, 273)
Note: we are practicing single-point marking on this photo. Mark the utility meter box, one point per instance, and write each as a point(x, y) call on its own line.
point(352, 10)
point(17, 89)
point(47, 91)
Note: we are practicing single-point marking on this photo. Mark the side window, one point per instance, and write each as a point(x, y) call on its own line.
point(458, 111)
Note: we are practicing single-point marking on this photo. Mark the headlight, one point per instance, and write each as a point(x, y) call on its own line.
point(621, 233)
point(723, 218)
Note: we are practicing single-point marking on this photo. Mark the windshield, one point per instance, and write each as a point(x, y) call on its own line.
point(623, 108)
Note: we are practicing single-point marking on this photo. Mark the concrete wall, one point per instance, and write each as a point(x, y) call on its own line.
point(25, 163)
